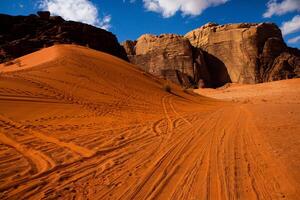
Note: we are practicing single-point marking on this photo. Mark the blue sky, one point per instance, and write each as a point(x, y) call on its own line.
point(129, 19)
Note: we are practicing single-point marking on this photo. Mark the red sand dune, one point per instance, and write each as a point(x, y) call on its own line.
point(77, 123)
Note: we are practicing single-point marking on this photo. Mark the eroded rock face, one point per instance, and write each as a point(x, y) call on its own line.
point(278, 61)
point(284, 66)
point(129, 47)
point(21, 35)
point(244, 53)
point(168, 56)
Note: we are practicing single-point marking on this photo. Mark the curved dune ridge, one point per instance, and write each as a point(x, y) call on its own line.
point(76, 123)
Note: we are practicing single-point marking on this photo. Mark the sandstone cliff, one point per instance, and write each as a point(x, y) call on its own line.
point(214, 55)
point(20, 35)
point(247, 53)
point(168, 56)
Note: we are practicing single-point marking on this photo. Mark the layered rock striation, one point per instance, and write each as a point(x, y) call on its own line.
point(21, 35)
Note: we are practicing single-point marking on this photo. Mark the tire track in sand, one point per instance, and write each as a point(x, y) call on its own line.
point(73, 147)
point(38, 161)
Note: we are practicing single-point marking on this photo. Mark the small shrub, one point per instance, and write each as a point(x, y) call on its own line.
point(167, 88)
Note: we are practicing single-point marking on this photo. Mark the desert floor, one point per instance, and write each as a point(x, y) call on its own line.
point(79, 124)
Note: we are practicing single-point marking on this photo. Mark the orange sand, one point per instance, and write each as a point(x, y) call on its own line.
point(77, 123)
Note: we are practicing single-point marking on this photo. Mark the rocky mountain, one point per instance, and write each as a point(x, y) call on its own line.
point(214, 55)
point(20, 35)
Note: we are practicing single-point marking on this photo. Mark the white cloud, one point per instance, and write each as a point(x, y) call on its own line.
point(168, 8)
point(281, 8)
point(105, 22)
point(294, 40)
point(76, 10)
point(292, 26)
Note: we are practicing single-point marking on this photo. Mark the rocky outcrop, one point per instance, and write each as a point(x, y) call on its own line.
point(168, 56)
point(214, 55)
point(20, 35)
point(245, 53)
point(285, 66)
point(278, 61)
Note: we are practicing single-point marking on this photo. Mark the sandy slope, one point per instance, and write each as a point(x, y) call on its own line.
point(76, 123)
point(282, 92)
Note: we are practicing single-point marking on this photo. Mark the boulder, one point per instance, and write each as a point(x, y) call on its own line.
point(243, 53)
